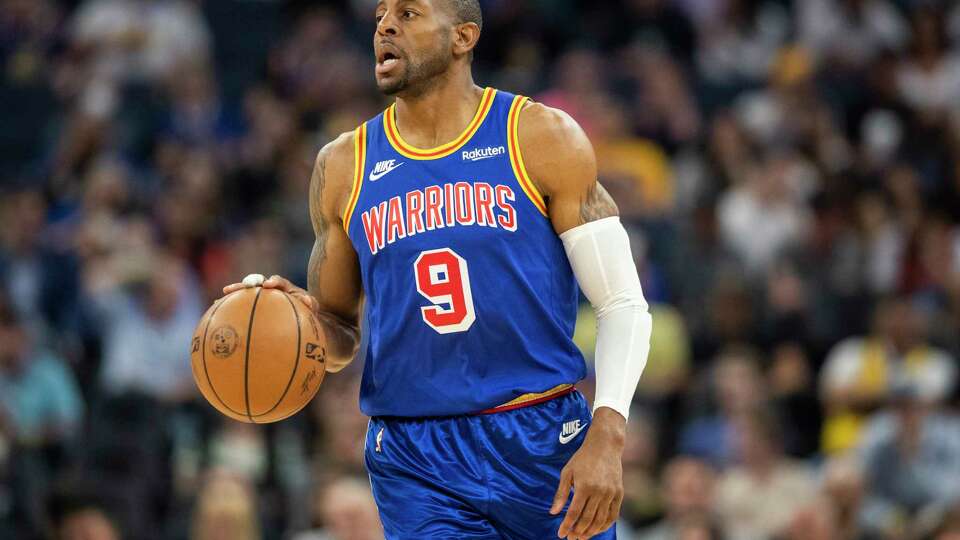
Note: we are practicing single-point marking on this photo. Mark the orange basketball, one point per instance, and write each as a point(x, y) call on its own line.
point(258, 355)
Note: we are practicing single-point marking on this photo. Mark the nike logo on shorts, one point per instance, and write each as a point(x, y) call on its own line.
point(570, 431)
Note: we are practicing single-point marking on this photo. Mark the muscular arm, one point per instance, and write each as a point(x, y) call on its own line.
point(333, 272)
point(562, 165)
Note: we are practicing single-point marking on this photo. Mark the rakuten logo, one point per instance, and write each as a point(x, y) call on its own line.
point(478, 154)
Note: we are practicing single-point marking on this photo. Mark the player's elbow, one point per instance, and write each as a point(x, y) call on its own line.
point(628, 300)
point(338, 362)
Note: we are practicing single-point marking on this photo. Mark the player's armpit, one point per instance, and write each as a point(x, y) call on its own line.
point(333, 273)
point(561, 162)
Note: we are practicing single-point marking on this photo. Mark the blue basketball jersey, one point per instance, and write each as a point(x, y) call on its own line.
point(470, 302)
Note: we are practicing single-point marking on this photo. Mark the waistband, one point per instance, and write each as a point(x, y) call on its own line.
point(527, 400)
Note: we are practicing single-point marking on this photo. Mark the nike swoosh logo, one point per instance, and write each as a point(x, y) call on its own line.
point(564, 439)
point(376, 176)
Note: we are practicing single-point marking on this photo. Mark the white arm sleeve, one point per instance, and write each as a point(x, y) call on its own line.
point(602, 262)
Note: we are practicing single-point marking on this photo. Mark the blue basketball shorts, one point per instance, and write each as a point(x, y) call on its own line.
point(490, 476)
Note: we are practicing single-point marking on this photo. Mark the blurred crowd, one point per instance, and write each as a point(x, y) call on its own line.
point(789, 172)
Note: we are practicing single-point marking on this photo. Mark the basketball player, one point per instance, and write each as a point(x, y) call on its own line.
point(464, 217)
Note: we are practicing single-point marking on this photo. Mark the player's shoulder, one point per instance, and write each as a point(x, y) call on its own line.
point(333, 173)
point(553, 144)
point(546, 130)
point(541, 119)
point(337, 156)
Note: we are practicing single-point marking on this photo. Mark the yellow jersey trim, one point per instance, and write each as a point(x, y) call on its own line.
point(359, 165)
point(516, 158)
point(530, 398)
point(407, 150)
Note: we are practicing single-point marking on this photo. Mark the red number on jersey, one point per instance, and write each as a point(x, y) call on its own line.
point(442, 278)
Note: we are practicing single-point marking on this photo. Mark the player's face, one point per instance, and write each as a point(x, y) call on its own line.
point(412, 44)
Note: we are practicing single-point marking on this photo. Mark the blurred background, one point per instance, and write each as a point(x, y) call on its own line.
point(789, 172)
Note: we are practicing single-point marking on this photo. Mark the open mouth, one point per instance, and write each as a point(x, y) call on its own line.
point(387, 58)
point(386, 64)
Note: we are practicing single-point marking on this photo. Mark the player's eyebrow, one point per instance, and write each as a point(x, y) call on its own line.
point(401, 3)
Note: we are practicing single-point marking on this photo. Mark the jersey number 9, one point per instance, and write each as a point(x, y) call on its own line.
point(443, 279)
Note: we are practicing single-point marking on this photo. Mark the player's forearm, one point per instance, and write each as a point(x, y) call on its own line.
point(343, 340)
point(600, 256)
point(335, 302)
point(609, 426)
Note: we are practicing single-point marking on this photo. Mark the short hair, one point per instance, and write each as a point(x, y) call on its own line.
point(466, 11)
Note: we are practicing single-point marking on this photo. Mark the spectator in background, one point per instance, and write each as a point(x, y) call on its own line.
point(787, 316)
point(87, 524)
point(868, 256)
point(197, 117)
point(635, 171)
point(577, 82)
point(861, 371)
point(794, 399)
point(844, 492)
point(702, 267)
point(241, 450)
point(226, 510)
point(140, 39)
point(814, 521)
point(40, 403)
point(148, 307)
point(40, 413)
point(929, 80)
point(757, 497)
point(115, 44)
point(660, 24)
point(663, 108)
point(912, 458)
point(271, 129)
point(689, 495)
point(851, 32)
point(730, 316)
point(76, 516)
point(762, 218)
point(344, 510)
point(39, 274)
point(730, 152)
point(738, 390)
point(739, 44)
point(315, 67)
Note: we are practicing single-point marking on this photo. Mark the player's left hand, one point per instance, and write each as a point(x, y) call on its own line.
point(595, 473)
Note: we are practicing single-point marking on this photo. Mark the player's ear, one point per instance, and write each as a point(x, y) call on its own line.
point(465, 38)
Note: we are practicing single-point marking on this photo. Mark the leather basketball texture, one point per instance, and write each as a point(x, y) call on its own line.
point(258, 355)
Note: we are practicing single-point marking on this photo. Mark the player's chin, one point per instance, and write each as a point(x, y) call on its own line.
point(390, 85)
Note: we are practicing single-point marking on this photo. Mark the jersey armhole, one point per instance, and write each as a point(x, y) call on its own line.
point(359, 165)
point(516, 158)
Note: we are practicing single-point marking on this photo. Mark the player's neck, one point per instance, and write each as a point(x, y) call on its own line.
point(441, 113)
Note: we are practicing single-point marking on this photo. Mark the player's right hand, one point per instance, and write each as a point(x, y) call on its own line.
point(275, 282)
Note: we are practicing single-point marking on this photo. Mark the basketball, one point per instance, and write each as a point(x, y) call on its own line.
point(258, 355)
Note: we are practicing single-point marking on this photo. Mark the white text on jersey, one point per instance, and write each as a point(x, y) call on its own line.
point(382, 168)
point(478, 154)
point(437, 207)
